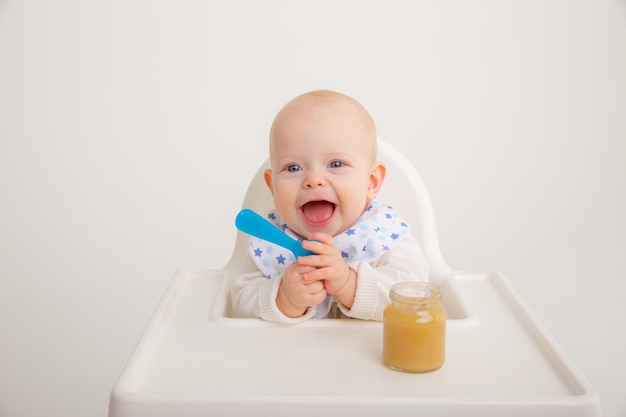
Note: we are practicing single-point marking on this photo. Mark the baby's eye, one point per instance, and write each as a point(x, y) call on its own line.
point(335, 164)
point(293, 168)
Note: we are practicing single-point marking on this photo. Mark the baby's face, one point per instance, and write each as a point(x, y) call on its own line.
point(322, 168)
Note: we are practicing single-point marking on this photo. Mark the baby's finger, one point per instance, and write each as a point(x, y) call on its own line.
point(322, 238)
point(303, 268)
point(315, 287)
point(312, 276)
point(315, 262)
point(318, 298)
point(319, 243)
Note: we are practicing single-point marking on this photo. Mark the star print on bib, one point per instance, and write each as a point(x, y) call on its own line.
point(378, 230)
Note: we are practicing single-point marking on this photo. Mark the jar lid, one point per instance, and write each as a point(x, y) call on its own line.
point(414, 290)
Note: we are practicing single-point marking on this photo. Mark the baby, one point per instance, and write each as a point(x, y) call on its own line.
point(324, 178)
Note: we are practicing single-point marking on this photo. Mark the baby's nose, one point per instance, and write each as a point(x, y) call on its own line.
point(314, 179)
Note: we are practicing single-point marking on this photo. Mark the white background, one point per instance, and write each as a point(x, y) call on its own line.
point(129, 131)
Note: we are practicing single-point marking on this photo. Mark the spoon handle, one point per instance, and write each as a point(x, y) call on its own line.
point(251, 223)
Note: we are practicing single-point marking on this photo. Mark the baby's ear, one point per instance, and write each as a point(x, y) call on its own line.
point(377, 177)
point(267, 175)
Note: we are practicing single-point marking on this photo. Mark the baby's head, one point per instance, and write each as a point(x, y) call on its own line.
point(324, 171)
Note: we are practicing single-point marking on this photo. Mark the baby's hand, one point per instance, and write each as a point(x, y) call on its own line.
point(338, 278)
point(296, 294)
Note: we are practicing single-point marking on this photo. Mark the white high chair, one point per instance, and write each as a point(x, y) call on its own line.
point(194, 359)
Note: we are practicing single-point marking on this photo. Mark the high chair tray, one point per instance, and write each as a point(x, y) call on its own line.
point(194, 361)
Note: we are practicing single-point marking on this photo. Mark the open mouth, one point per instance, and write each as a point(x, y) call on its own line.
point(318, 212)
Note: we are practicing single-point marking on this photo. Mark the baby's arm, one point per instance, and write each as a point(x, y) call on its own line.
point(405, 262)
point(253, 295)
point(244, 290)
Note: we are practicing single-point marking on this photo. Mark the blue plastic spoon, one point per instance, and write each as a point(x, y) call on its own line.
point(251, 223)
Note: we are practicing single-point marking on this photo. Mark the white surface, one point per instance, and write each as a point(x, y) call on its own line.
point(111, 178)
point(194, 361)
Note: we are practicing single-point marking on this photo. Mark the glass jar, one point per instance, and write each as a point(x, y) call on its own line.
point(414, 328)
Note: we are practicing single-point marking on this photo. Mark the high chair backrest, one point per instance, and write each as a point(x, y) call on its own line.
point(403, 189)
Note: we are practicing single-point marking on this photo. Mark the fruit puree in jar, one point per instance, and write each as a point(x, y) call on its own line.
point(414, 328)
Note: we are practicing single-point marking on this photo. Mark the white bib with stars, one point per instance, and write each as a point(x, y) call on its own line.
point(377, 231)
